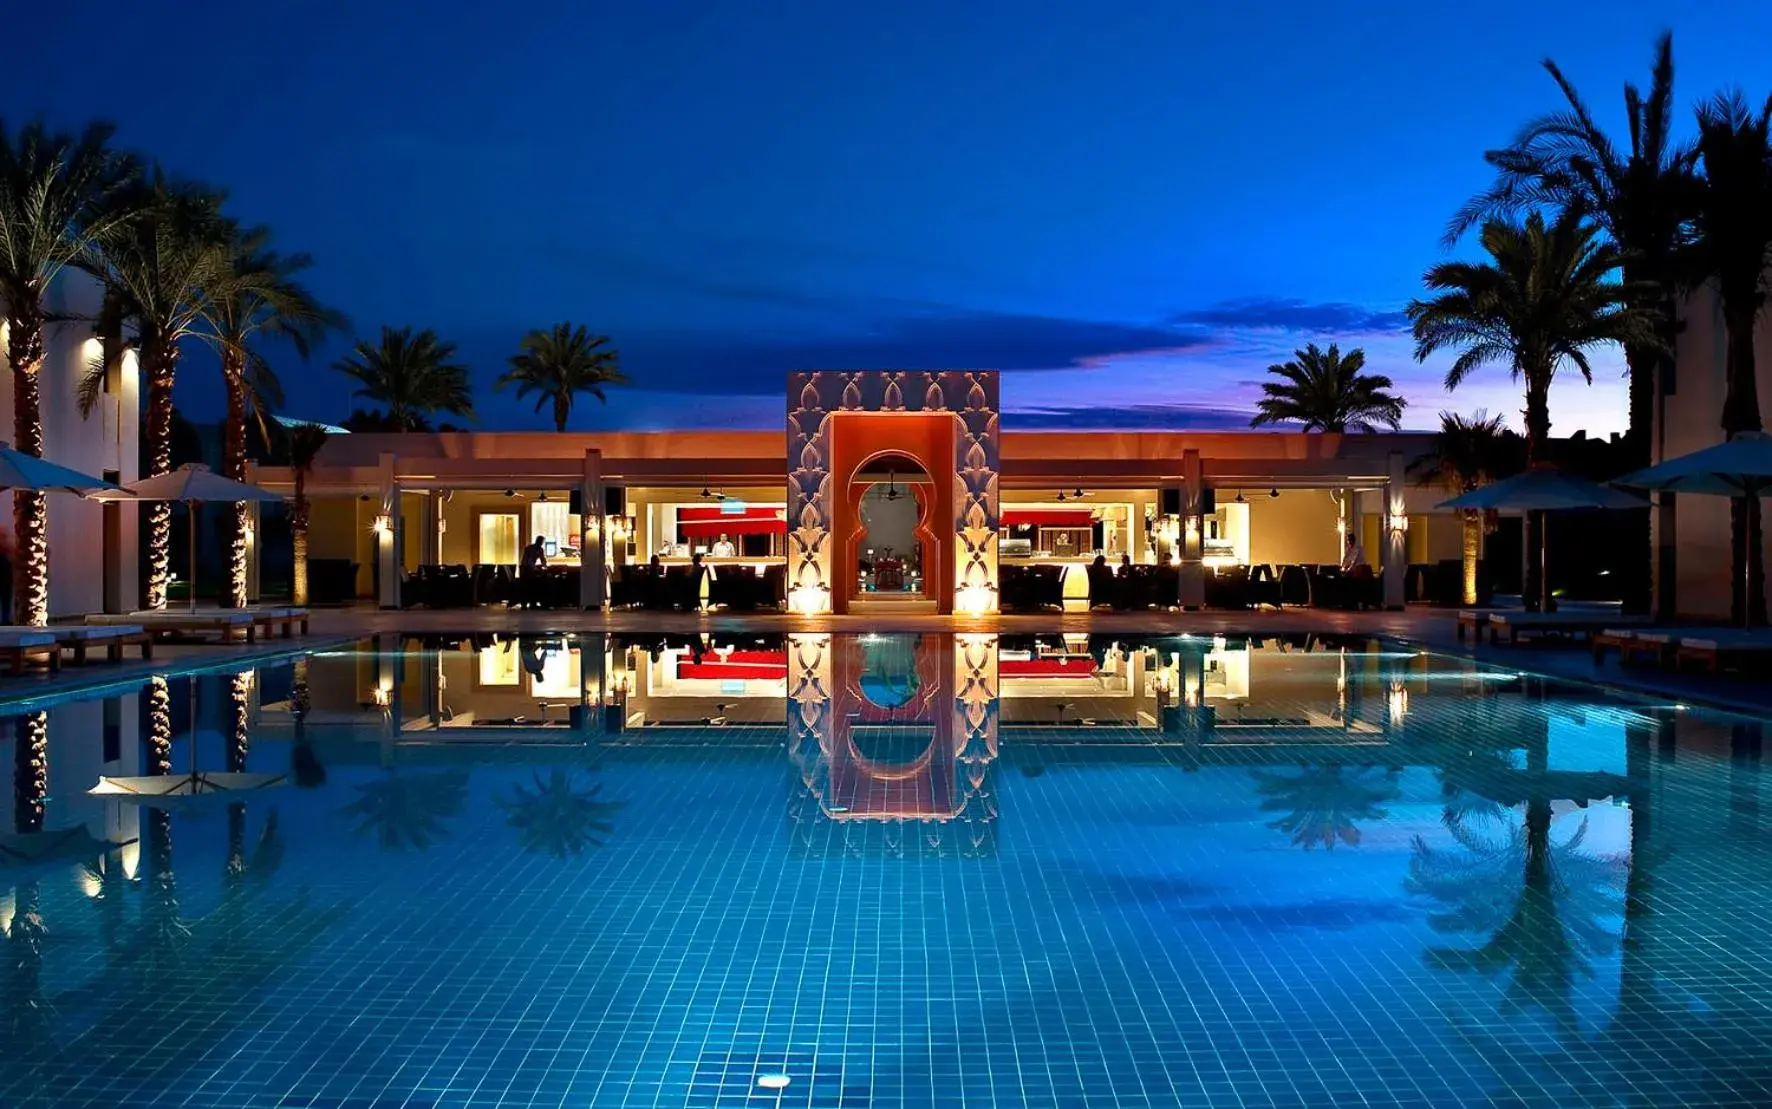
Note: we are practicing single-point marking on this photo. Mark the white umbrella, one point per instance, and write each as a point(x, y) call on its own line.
point(1544, 489)
point(193, 484)
point(19, 470)
point(1740, 467)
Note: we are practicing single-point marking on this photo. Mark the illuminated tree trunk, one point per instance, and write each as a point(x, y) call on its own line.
point(30, 771)
point(1473, 552)
point(30, 518)
point(234, 466)
point(162, 364)
point(298, 529)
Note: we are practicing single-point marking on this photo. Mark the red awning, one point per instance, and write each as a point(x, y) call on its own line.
point(754, 666)
point(712, 522)
point(1048, 517)
point(1078, 666)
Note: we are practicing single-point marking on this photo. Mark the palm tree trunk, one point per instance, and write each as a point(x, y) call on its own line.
point(30, 771)
point(561, 410)
point(298, 529)
point(1537, 434)
point(1741, 412)
point(1473, 552)
point(161, 359)
point(30, 516)
point(234, 466)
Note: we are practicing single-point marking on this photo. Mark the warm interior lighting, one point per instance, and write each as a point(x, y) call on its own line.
point(1399, 702)
point(383, 524)
point(975, 600)
point(1397, 522)
point(809, 599)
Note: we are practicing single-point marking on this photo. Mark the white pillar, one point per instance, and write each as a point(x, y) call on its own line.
point(593, 575)
point(1191, 544)
point(1395, 529)
point(387, 538)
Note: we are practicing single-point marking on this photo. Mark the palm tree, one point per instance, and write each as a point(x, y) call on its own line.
point(408, 810)
point(411, 375)
point(163, 268)
point(258, 297)
point(1642, 199)
point(305, 441)
point(55, 194)
point(1547, 298)
point(1469, 452)
point(1731, 247)
point(1325, 391)
point(556, 365)
point(556, 816)
point(1320, 805)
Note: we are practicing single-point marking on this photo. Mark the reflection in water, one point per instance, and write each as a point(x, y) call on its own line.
point(1515, 926)
point(1320, 805)
point(556, 817)
point(407, 811)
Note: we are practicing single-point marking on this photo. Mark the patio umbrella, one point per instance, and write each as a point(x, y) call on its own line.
point(1544, 489)
point(19, 470)
point(1740, 467)
point(191, 485)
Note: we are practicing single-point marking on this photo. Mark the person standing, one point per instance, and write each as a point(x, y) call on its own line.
point(535, 561)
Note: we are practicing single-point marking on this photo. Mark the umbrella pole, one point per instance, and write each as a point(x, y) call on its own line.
point(191, 518)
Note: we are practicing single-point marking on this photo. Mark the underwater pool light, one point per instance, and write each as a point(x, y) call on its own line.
point(773, 1081)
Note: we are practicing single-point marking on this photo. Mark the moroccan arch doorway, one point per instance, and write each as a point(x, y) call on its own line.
point(842, 425)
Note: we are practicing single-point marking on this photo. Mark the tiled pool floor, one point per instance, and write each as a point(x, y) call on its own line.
point(948, 873)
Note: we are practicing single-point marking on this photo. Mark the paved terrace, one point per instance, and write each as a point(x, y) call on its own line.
point(1431, 629)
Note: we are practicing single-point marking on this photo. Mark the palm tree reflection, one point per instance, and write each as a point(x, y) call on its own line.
point(556, 816)
point(1320, 805)
point(407, 811)
point(1539, 903)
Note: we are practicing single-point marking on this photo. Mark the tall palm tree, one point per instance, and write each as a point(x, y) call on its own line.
point(1470, 452)
point(258, 297)
point(1545, 300)
point(1642, 198)
point(1731, 249)
point(411, 375)
point(55, 207)
point(305, 441)
point(559, 364)
point(163, 268)
point(556, 816)
point(1325, 391)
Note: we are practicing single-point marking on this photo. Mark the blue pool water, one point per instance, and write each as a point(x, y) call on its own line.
point(895, 871)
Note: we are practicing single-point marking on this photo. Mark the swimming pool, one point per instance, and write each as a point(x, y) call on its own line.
point(938, 870)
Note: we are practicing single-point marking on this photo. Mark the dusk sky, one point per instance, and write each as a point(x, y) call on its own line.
point(1131, 209)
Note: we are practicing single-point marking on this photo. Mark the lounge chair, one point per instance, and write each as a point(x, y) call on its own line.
point(1566, 623)
point(1714, 647)
point(229, 622)
point(21, 646)
point(288, 617)
point(80, 638)
point(1476, 619)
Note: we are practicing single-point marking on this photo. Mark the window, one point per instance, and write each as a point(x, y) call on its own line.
point(549, 519)
point(499, 544)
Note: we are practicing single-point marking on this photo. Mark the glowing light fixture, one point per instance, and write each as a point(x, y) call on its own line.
point(383, 524)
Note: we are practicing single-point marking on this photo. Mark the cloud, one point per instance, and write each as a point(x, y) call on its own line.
point(1294, 314)
point(1131, 417)
point(970, 340)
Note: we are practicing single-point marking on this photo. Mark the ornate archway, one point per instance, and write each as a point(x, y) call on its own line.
point(837, 421)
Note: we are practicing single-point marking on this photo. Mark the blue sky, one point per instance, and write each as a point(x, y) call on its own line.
point(1132, 209)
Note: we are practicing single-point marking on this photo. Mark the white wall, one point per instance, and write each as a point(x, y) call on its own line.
point(1693, 420)
point(107, 441)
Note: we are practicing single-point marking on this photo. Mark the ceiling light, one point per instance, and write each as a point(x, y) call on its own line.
point(1274, 492)
point(1079, 493)
point(1240, 499)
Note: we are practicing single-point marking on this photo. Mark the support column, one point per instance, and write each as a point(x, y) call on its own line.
point(1664, 594)
point(1395, 530)
point(388, 538)
point(1192, 542)
point(593, 575)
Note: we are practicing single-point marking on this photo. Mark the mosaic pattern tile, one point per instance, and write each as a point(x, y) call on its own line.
point(1309, 877)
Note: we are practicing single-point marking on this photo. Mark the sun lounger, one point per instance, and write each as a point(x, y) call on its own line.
point(1714, 647)
point(287, 617)
point(1567, 623)
point(1654, 645)
point(80, 638)
point(1475, 619)
point(22, 646)
point(229, 623)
